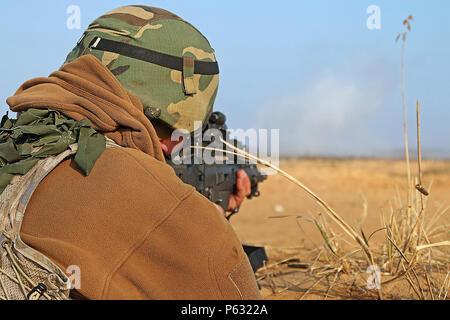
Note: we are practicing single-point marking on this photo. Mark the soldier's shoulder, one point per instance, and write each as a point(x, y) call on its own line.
point(127, 159)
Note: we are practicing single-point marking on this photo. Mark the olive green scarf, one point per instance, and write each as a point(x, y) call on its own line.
point(40, 133)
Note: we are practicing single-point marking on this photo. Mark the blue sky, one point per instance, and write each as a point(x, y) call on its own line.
point(310, 68)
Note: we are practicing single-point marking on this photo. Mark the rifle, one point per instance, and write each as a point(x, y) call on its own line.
point(217, 181)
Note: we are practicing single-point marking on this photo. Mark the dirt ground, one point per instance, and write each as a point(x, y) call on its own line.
point(349, 186)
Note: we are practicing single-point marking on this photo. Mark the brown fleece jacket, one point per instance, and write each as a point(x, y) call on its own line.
point(132, 227)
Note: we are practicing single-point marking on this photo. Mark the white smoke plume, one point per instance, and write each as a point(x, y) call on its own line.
point(331, 115)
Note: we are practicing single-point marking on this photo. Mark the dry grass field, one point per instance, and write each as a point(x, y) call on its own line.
point(311, 262)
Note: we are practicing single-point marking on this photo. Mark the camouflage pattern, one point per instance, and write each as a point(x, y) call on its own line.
point(22, 259)
point(21, 267)
point(39, 133)
point(179, 98)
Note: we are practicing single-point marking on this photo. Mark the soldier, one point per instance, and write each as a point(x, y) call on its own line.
point(88, 146)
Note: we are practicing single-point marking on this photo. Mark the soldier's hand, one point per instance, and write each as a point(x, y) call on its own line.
point(243, 189)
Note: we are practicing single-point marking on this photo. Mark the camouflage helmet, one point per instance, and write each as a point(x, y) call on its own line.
point(158, 57)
